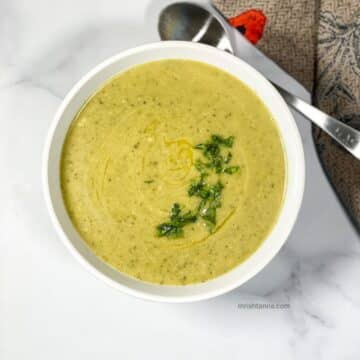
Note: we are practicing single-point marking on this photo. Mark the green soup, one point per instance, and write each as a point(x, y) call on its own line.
point(138, 147)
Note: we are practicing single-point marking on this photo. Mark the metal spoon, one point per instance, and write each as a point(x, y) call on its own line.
point(192, 22)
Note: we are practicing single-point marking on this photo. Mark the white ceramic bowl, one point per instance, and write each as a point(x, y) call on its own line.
point(175, 50)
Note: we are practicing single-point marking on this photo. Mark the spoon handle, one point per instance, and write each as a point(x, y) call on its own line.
point(345, 135)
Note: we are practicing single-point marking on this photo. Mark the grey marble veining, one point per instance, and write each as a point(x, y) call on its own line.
point(50, 307)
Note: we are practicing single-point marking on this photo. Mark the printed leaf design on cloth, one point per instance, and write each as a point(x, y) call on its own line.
point(250, 23)
point(339, 47)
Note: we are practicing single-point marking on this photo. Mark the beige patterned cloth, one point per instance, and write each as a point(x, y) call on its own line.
point(318, 43)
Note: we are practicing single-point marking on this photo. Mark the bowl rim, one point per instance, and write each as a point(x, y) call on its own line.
point(296, 202)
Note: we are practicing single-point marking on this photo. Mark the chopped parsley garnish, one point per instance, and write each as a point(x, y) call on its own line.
point(210, 202)
point(209, 194)
point(215, 160)
point(174, 228)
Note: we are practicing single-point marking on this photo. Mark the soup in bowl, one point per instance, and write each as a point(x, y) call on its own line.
point(174, 171)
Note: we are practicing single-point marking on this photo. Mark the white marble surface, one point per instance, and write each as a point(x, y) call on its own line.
point(51, 308)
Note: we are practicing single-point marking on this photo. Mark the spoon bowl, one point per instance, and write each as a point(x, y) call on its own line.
point(191, 22)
